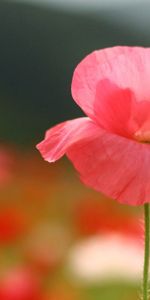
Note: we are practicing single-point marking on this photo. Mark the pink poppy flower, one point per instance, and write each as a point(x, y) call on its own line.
point(110, 147)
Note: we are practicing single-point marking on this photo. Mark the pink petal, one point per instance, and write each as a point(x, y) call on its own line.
point(59, 138)
point(126, 67)
point(114, 165)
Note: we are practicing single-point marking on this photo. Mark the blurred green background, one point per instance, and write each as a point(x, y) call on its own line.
point(50, 224)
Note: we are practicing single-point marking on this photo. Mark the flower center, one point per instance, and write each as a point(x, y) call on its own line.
point(142, 136)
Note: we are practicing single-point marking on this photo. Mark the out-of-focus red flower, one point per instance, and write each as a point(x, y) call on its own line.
point(19, 284)
point(13, 224)
point(92, 217)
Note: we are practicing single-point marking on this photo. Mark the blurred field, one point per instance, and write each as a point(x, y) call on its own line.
point(45, 213)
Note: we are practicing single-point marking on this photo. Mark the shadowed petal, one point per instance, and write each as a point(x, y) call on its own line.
point(114, 165)
point(113, 107)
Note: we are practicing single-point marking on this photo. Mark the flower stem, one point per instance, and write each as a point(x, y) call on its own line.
point(146, 254)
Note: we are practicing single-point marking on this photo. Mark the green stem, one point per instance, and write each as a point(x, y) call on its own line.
point(146, 254)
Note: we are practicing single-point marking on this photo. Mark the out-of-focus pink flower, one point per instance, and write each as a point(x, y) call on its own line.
point(19, 284)
point(110, 148)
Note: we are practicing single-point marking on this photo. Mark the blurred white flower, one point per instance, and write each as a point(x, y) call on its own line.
point(109, 257)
